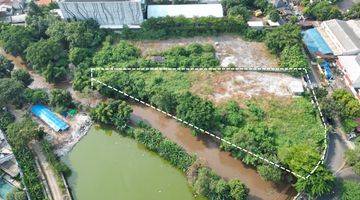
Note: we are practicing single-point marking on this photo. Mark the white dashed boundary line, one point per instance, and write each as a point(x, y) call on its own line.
point(261, 69)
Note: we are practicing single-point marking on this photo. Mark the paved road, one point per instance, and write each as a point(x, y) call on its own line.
point(47, 170)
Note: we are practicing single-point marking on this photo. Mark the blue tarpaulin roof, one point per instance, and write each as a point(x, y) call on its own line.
point(315, 43)
point(49, 117)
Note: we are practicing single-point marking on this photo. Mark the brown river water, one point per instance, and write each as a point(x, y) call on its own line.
point(206, 148)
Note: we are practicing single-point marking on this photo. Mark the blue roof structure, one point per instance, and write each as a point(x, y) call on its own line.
point(315, 43)
point(326, 66)
point(49, 117)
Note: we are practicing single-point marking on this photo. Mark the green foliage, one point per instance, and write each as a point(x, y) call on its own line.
point(16, 194)
point(354, 12)
point(352, 157)
point(232, 114)
point(348, 108)
point(19, 134)
point(257, 138)
point(169, 27)
point(10, 91)
point(6, 118)
point(114, 112)
point(22, 76)
point(239, 11)
point(170, 151)
point(319, 183)
point(165, 100)
point(48, 58)
point(283, 36)
point(227, 4)
point(78, 55)
point(323, 10)
point(274, 15)
point(36, 96)
point(61, 99)
point(293, 57)
point(196, 111)
point(5, 67)
point(111, 55)
point(15, 39)
point(210, 185)
point(270, 173)
point(193, 55)
point(56, 163)
point(350, 190)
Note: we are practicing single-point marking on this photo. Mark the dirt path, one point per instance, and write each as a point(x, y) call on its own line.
point(49, 173)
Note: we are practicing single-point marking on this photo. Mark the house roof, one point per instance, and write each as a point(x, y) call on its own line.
point(351, 65)
point(343, 36)
point(315, 43)
point(49, 117)
point(186, 10)
point(255, 23)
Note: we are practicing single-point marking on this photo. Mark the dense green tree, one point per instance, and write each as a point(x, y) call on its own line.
point(16, 194)
point(6, 118)
point(22, 76)
point(274, 15)
point(354, 11)
point(239, 11)
point(36, 96)
point(15, 39)
point(210, 185)
point(293, 57)
point(301, 158)
point(10, 91)
point(49, 58)
point(352, 157)
point(84, 33)
point(283, 36)
point(270, 173)
point(196, 111)
point(60, 98)
point(238, 190)
point(258, 138)
point(6, 66)
point(350, 190)
point(227, 4)
point(318, 184)
point(78, 55)
point(121, 52)
point(323, 10)
point(19, 134)
point(165, 100)
point(233, 115)
point(114, 112)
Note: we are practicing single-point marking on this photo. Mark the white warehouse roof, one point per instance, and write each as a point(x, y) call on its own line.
point(343, 37)
point(351, 65)
point(186, 10)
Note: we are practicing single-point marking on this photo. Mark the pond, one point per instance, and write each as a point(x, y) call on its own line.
point(109, 166)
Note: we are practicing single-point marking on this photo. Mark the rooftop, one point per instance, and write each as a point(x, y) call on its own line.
point(186, 10)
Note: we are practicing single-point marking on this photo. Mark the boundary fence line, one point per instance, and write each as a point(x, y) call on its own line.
point(309, 86)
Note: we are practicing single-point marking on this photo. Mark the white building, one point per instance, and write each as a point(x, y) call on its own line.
point(112, 14)
point(186, 10)
point(256, 24)
point(343, 37)
point(350, 66)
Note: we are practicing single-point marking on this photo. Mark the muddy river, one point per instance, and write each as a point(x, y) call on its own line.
point(204, 147)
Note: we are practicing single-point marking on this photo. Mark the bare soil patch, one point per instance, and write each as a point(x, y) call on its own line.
point(230, 49)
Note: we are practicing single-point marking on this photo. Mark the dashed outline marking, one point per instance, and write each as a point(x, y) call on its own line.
point(266, 69)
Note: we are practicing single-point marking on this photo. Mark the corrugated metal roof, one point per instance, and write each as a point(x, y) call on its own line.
point(344, 34)
point(315, 43)
point(49, 117)
point(186, 10)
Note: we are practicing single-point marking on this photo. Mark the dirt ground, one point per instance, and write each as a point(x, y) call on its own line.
point(230, 49)
point(222, 86)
